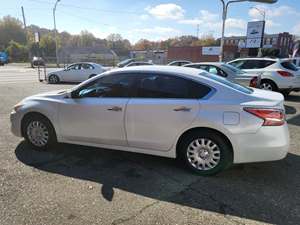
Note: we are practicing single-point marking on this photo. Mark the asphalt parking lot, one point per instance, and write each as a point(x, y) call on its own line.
point(82, 185)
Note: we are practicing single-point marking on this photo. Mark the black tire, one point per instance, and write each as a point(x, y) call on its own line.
point(268, 85)
point(29, 121)
point(225, 155)
point(53, 79)
point(92, 75)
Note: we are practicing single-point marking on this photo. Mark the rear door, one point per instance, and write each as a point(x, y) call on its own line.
point(163, 106)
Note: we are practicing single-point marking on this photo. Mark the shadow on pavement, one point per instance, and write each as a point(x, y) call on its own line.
point(267, 192)
point(290, 110)
point(293, 98)
point(295, 120)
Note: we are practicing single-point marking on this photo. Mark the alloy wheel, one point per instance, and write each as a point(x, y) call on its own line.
point(203, 154)
point(266, 86)
point(37, 133)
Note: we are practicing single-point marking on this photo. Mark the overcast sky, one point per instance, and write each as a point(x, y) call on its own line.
point(153, 19)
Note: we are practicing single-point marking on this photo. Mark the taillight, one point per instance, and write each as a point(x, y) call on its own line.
point(253, 82)
point(285, 73)
point(271, 117)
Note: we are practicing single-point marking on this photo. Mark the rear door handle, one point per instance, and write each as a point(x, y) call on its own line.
point(115, 108)
point(182, 109)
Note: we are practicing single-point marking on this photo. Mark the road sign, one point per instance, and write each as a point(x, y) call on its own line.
point(255, 33)
point(213, 50)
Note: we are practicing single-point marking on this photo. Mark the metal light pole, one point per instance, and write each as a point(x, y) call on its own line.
point(224, 17)
point(55, 33)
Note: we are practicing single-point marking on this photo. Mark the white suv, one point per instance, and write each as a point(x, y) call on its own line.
point(276, 74)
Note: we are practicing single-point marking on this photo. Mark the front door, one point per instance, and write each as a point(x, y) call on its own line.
point(164, 106)
point(96, 115)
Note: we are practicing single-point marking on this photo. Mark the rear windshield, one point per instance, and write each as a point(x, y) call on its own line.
point(289, 65)
point(228, 83)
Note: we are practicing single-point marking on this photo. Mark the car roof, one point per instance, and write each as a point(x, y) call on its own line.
point(206, 63)
point(185, 71)
point(257, 58)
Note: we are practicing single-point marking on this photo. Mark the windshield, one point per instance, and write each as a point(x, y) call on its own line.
point(233, 69)
point(228, 83)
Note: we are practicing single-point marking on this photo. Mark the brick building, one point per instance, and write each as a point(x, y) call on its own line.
point(282, 41)
point(195, 54)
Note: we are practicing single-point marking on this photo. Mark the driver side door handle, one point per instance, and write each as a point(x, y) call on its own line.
point(182, 109)
point(115, 108)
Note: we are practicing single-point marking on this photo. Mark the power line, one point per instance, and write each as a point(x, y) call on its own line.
point(88, 8)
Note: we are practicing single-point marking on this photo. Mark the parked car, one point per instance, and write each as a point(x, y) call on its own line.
point(179, 63)
point(125, 62)
point(37, 61)
point(276, 74)
point(76, 72)
point(205, 120)
point(3, 58)
point(229, 72)
point(139, 63)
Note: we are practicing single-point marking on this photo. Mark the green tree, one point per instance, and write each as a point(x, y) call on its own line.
point(11, 29)
point(47, 45)
point(17, 52)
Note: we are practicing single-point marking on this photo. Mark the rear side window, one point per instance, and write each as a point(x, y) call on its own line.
point(288, 65)
point(252, 64)
point(166, 86)
point(228, 83)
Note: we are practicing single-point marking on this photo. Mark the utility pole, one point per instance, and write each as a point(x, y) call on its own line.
point(55, 33)
point(26, 33)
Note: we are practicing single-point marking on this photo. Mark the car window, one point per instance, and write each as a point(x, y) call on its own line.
point(166, 86)
point(228, 83)
point(193, 66)
point(238, 64)
point(115, 85)
point(74, 67)
point(233, 69)
point(256, 64)
point(288, 65)
point(86, 66)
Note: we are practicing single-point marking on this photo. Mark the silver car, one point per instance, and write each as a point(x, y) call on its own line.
point(229, 72)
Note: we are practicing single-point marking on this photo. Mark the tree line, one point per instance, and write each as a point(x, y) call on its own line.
point(20, 44)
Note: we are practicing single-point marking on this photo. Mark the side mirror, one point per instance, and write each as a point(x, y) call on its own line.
point(74, 94)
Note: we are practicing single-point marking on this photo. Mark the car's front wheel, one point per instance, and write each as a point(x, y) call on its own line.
point(53, 79)
point(38, 132)
point(205, 152)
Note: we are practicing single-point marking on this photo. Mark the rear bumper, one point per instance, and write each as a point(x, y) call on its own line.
point(268, 144)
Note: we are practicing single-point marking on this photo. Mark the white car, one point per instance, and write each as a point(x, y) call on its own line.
point(229, 72)
point(76, 72)
point(206, 121)
point(276, 74)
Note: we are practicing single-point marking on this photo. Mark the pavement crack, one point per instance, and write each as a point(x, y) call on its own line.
point(126, 219)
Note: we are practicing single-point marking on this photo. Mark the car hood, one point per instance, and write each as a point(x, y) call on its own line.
point(58, 94)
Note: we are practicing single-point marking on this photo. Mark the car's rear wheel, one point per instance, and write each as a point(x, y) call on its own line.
point(268, 85)
point(38, 132)
point(53, 79)
point(205, 152)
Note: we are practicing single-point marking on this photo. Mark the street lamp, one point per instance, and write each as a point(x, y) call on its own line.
point(55, 33)
point(224, 17)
